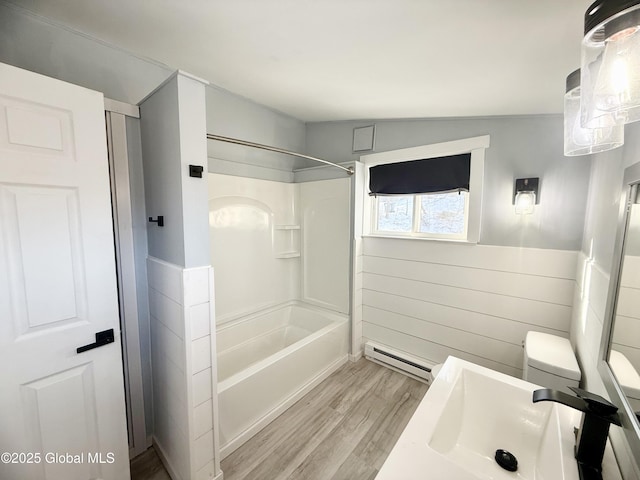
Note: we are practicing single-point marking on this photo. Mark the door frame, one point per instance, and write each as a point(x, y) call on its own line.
point(115, 118)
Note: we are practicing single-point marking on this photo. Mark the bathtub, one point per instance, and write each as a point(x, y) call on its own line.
point(269, 360)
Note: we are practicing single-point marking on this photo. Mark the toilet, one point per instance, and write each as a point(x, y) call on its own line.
point(549, 361)
point(627, 377)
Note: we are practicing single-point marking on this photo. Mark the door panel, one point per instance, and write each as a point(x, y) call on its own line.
point(28, 211)
point(56, 429)
point(57, 285)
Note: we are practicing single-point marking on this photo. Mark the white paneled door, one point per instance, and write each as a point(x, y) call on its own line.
point(62, 413)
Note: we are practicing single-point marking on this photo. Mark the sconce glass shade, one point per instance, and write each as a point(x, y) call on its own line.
point(610, 69)
point(583, 141)
point(525, 202)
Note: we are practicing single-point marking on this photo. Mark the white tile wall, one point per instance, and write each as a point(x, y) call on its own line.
point(246, 212)
point(200, 321)
point(201, 387)
point(434, 299)
point(203, 416)
point(183, 350)
point(200, 354)
point(325, 221)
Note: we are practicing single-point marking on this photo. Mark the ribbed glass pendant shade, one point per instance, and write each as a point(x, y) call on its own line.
point(583, 141)
point(610, 78)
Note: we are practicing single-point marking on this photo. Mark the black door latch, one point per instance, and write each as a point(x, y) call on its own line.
point(102, 338)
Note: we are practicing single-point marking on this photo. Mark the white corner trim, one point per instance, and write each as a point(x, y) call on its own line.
point(175, 74)
point(122, 108)
point(192, 77)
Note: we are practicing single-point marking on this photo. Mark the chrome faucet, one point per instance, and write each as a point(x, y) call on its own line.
point(591, 437)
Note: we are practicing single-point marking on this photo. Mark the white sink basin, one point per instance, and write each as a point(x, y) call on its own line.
point(467, 414)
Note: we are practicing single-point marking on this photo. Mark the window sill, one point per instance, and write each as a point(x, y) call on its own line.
point(423, 239)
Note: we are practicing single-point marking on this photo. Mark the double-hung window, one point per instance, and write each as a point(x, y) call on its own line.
point(433, 191)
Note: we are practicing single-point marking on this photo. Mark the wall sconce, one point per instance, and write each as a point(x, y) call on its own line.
point(525, 195)
point(583, 141)
point(610, 68)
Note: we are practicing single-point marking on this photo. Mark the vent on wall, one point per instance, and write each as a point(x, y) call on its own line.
point(399, 361)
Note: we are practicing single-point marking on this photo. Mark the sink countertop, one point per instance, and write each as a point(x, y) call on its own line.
point(453, 437)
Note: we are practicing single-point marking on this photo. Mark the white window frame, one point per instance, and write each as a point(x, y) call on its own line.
point(475, 145)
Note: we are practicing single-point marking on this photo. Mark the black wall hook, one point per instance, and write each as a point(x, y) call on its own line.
point(159, 220)
point(195, 171)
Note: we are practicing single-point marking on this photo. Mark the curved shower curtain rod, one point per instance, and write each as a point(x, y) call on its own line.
point(237, 141)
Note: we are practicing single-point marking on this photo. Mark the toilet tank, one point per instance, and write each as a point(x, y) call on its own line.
point(627, 377)
point(549, 361)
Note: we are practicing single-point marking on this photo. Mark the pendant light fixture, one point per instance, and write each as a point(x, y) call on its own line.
point(610, 69)
point(583, 141)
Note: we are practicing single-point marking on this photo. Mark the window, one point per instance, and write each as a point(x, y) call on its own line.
point(421, 193)
point(441, 215)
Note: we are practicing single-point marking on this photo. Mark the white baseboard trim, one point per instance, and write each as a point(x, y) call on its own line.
point(163, 458)
point(234, 444)
point(134, 452)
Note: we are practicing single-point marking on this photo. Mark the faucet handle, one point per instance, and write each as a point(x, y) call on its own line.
point(597, 404)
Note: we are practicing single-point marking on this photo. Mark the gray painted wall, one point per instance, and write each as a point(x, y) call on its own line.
point(521, 146)
point(605, 189)
point(160, 129)
point(233, 116)
point(195, 191)
point(30, 42)
point(34, 43)
point(603, 206)
point(172, 126)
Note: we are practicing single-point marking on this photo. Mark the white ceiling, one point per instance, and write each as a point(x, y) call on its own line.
point(351, 59)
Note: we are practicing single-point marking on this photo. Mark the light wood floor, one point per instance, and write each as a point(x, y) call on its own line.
point(342, 430)
point(148, 467)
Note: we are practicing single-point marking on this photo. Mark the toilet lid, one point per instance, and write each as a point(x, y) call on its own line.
point(625, 373)
point(551, 354)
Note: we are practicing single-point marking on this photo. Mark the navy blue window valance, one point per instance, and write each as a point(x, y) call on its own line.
point(430, 175)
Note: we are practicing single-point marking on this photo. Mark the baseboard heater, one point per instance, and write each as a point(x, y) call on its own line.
point(399, 361)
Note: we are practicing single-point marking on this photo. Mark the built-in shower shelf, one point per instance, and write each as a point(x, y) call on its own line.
point(288, 255)
point(286, 241)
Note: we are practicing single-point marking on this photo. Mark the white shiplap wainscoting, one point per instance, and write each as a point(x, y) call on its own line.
point(477, 302)
point(184, 372)
point(627, 324)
